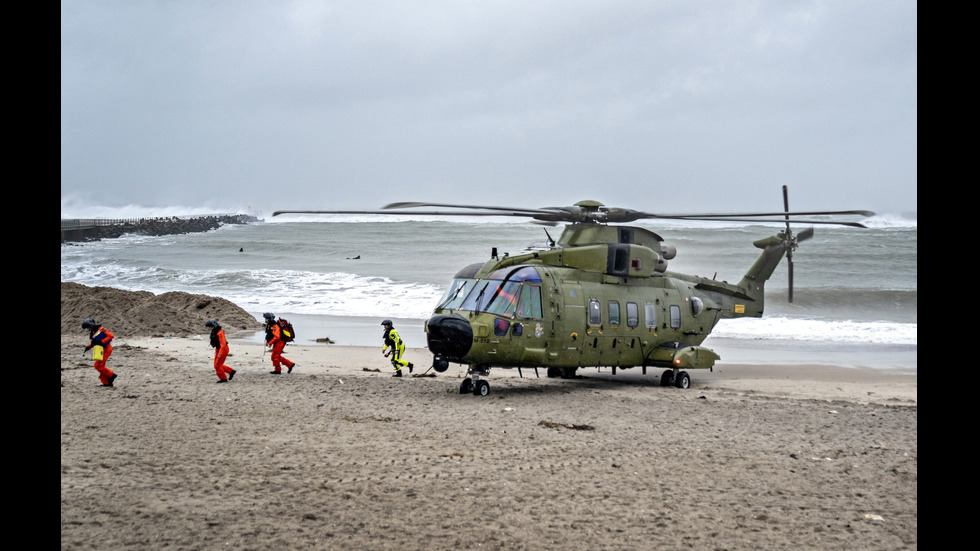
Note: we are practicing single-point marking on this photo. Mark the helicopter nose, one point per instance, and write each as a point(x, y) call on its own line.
point(449, 335)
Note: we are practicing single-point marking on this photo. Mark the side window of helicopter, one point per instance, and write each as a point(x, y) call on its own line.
point(675, 316)
point(650, 314)
point(530, 305)
point(613, 313)
point(697, 305)
point(632, 314)
point(595, 314)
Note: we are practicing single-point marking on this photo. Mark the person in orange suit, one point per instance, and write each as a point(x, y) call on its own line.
point(100, 336)
point(273, 339)
point(221, 350)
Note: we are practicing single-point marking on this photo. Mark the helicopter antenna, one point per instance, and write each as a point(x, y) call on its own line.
point(551, 241)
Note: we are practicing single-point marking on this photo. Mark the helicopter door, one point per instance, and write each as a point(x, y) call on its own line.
point(594, 338)
point(572, 328)
point(528, 328)
point(609, 338)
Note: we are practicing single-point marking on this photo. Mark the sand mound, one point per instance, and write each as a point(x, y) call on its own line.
point(143, 313)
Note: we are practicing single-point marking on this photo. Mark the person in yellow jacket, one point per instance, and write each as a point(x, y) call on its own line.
point(394, 342)
point(221, 350)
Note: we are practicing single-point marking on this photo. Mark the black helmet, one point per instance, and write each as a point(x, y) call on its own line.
point(387, 323)
point(269, 316)
point(89, 323)
point(211, 323)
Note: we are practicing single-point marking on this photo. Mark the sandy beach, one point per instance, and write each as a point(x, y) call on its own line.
point(340, 455)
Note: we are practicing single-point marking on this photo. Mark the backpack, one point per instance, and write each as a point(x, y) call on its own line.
point(286, 332)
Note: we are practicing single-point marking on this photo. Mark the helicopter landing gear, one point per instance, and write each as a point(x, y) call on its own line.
point(674, 377)
point(476, 385)
point(682, 380)
point(554, 372)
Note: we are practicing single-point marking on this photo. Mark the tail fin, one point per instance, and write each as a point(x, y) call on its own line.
point(753, 284)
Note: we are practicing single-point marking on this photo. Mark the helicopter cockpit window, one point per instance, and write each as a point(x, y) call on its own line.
point(504, 301)
point(456, 293)
point(697, 305)
point(522, 273)
point(496, 297)
point(480, 295)
point(500, 294)
point(530, 305)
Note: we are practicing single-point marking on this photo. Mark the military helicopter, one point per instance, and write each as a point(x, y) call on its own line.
point(599, 296)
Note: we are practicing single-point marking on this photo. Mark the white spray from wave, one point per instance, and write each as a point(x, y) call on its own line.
point(795, 329)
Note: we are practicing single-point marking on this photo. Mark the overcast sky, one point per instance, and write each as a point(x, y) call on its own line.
point(665, 106)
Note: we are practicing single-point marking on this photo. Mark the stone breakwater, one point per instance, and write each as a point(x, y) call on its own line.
point(153, 226)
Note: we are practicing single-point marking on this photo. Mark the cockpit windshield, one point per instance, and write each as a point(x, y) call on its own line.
point(456, 293)
point(511, 292)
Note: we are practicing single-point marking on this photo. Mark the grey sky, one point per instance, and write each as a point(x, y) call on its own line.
point(665, 106)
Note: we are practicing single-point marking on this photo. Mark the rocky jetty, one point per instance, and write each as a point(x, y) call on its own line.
point(158, 226)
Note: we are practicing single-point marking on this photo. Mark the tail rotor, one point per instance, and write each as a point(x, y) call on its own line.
point(792, 242)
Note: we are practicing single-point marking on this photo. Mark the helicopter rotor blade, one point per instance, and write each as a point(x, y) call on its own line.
point(593, 212)
point(789, 235)
point(789, 264)
point(786, 208)
point(389, 213)
point(829, 222)
point(797, 213)
point(623, 215)
point(407, 205)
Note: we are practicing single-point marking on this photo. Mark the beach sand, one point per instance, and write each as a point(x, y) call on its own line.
point(340, 455)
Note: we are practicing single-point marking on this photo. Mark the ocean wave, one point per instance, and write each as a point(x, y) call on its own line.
point(337, 293)
point(886, 221)
point(842, 331)
point(851, 303)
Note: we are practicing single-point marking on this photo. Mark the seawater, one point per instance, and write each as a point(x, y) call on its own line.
point(855, 290)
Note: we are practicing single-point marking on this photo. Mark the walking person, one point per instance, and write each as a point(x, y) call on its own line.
point(394, 341)
point(221, 350)
point(101, 341)
point(275, 339)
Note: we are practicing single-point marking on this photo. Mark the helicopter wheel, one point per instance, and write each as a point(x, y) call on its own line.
point(481, 388)
point(667, 379)
point(683, 380)
point(554, 372)
point(466, 386)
